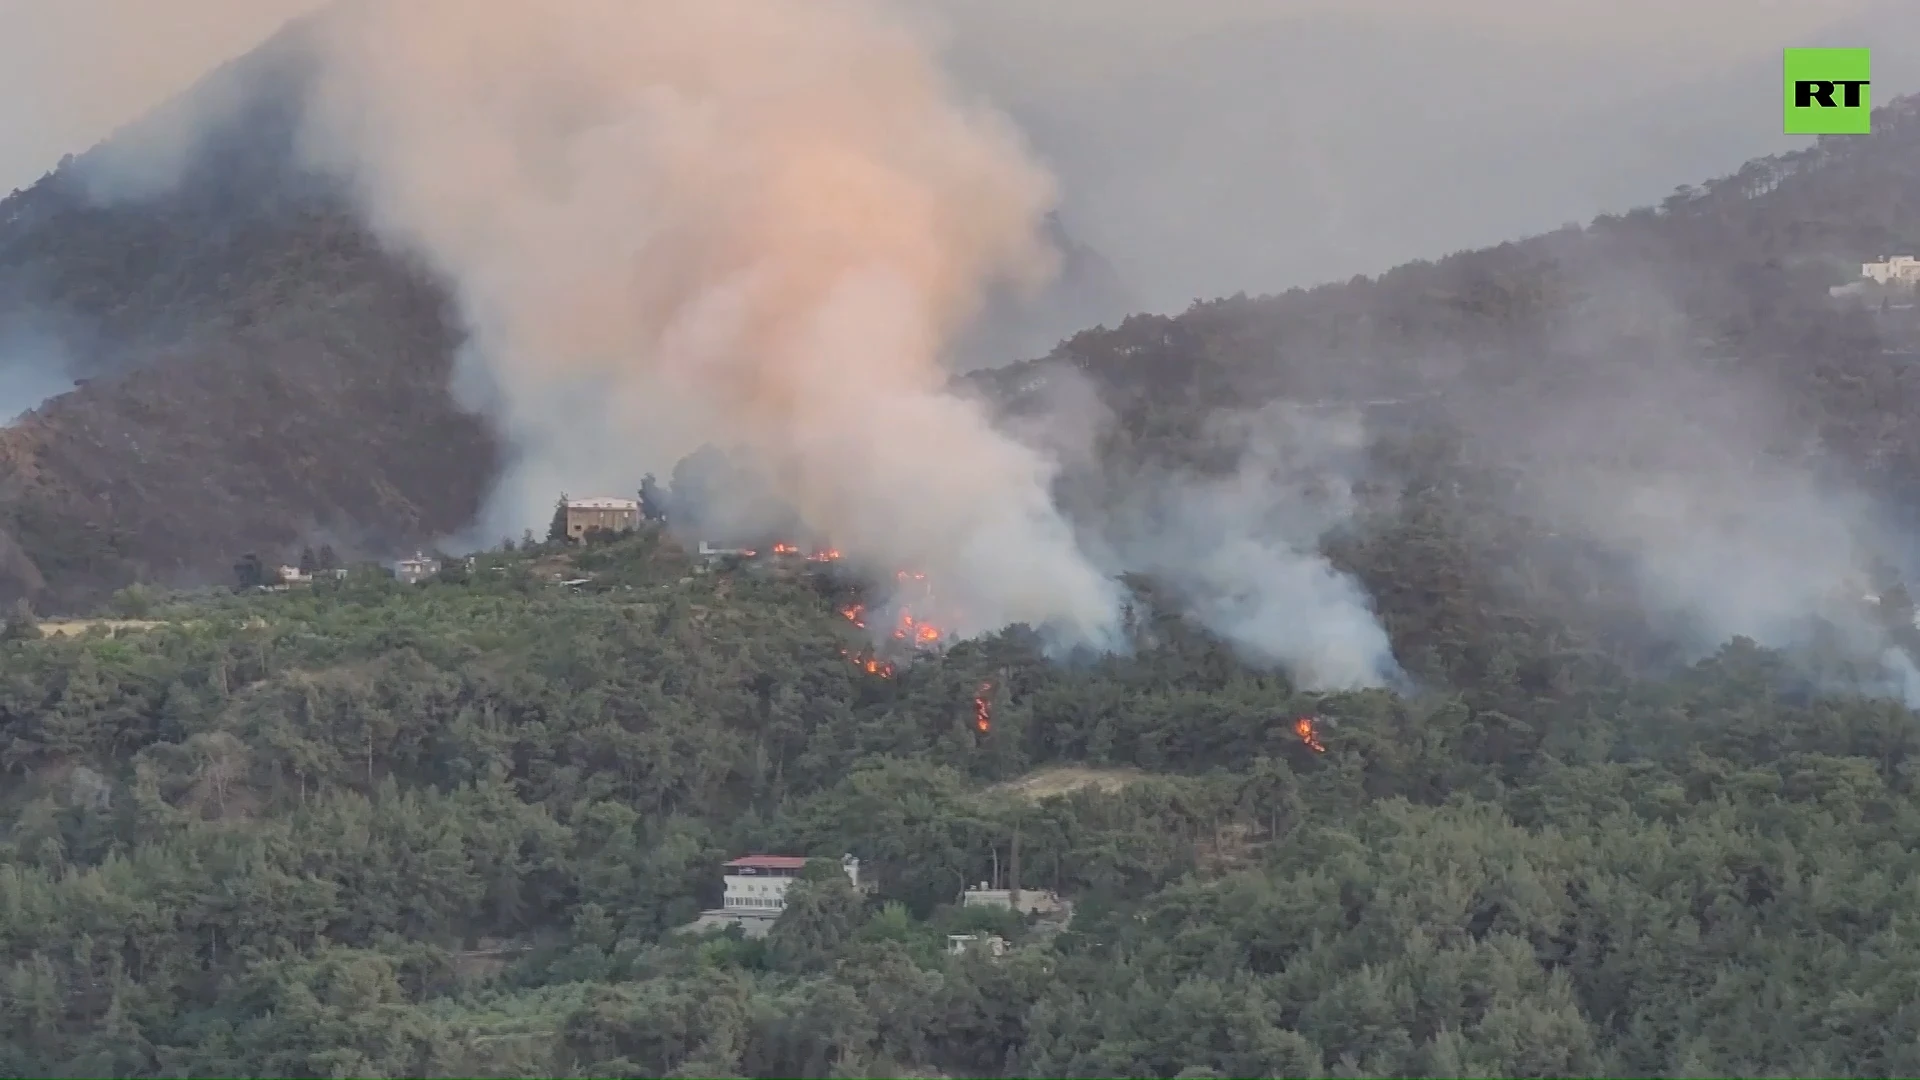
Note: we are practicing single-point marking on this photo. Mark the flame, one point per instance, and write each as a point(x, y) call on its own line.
point(908, 628)
point(870, 663)
point(921, 634)
point(1309, 734)
point(784, 547)
point(983, 709)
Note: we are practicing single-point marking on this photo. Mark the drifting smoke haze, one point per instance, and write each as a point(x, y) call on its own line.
point(1243, 550)
point(1239, 547)
point(1695, 478)
point(1720, 530)
point(744, 222)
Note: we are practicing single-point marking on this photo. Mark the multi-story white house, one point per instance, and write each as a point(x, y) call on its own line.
point(757, 884)
point(756, 891)
point(1894, 270)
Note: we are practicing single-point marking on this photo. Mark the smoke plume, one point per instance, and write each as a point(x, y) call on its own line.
point(1243, 549)
point(1238, 544)
point(1703, 486)
point(745, 222)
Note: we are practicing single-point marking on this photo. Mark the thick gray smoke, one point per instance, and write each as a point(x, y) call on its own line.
point(1240, 547)
point(745, 222)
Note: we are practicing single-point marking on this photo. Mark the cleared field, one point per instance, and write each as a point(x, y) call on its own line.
point(1046, 783)
point(75, 627)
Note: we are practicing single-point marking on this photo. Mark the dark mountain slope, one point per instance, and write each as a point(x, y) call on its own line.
point(254, 369)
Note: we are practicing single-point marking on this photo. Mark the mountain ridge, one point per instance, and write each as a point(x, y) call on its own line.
point(268, 312)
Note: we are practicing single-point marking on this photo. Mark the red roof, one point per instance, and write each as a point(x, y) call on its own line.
point(771, 862)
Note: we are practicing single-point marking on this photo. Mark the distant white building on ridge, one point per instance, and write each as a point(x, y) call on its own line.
point(1893, 270)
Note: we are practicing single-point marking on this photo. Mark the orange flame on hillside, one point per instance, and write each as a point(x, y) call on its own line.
point(908, 628)
point(789, 550)
point(1309, 734)
point(919, 633)
point(983, 709)
point(870, 663)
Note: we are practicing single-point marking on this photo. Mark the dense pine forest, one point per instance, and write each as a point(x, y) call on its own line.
point(1632, 803)
point(370, 829)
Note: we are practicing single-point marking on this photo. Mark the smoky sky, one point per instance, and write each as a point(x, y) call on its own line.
point(1212, 146)
point(1207, 148)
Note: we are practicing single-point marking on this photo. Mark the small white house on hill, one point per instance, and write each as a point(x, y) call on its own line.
point(1893, 270)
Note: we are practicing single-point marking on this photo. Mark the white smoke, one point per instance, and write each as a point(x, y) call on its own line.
point(746, 222)
point(1243, 549)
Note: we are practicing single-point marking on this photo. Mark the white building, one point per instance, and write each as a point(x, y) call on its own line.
point(756, 891)
point(1894, 270)
point(415, 570)
point(1025, 901)
point(759, 883)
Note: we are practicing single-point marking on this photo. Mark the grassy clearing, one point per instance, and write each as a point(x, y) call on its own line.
point(76, 627)
point(1046, 783)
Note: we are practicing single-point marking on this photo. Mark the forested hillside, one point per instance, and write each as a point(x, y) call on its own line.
point(370, 829)
point(375, 830)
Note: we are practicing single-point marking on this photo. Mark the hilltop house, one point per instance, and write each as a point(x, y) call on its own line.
point(415, 570)
point(601, 515)
point(1892, 281)
point(756, 891)
point(1893, 270)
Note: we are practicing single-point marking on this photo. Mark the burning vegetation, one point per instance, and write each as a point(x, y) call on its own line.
point(1309, 733)
point(817, 555)
point(983, 708)
point(907, 629)
point(915, 631)
point(870, 662)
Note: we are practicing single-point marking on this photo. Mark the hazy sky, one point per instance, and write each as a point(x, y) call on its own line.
point(1200, 142)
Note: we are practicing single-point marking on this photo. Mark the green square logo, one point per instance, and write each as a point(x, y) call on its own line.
point(1827, 92)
